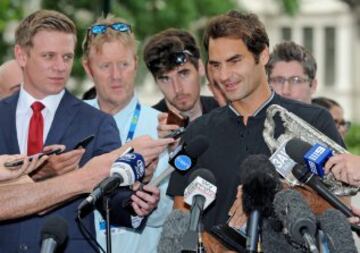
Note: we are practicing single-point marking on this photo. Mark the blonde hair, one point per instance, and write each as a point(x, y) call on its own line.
point(40, 20)
point(97, 41)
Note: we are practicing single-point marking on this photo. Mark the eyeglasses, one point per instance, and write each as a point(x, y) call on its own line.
point(292, 80)
point(343, 123)
point(102, 28)
point(173, 59)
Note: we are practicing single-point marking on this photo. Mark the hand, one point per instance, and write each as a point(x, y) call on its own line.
point(237, 216)
point(355, 219)
point(345, 168)
point(163, 128)
point(145, 201)
point(58, 164)
point(149, 171)
point(26, 168)
point(149, 148)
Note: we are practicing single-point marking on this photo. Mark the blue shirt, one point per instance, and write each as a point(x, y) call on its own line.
point(124, 239)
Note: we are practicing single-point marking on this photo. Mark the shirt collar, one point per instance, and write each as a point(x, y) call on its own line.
point(50, 102)
point(259, 109)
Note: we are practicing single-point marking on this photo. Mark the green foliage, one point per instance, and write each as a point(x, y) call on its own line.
point(352, 139)
point(10, 10)
point(290, 7)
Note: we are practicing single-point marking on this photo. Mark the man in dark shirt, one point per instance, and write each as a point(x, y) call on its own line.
point(173, 58)
point(235, 131)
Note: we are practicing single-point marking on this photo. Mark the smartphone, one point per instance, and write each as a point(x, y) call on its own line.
point(176, 133)
point(177, 119)
point(84, 142)
point(19, 162)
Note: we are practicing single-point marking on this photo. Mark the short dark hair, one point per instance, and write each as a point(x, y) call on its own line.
point(290, 51)
point(169, 41)
point(325, 102)
point(244, 26)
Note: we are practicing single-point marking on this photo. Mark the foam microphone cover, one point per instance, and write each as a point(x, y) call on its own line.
point(296, 149)
point(260, 184)
point(175, 226)
point(337, 231)
point(294, 213)
point(197, 146)
point(273, 240)
point(55, 227)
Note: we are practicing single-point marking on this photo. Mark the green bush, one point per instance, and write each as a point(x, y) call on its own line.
point(352, 139)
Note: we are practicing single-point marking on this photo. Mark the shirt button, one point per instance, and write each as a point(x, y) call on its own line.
point(23, 247)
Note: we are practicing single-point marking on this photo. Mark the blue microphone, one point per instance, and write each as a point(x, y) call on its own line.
point(124, 172)
point(314, 157)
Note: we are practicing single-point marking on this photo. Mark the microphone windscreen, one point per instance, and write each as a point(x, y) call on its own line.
point(260, 184)
point(203, 173)
point(174, 228)
point(273, 240)
point(55, 227)
point(337, 231)
point(296, 149)
point(197, 146)
point(295, 214)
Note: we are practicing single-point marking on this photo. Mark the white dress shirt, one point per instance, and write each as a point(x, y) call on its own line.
point(24, 113)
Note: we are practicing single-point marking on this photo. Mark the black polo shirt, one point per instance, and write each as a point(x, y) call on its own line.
point(231, 142)
point(207, 104)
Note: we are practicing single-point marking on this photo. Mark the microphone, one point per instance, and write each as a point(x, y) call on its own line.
point(314, 157)
point(124, 172)
point(53, 234)
point(283, 163)
point(175, 226)
point(273, 240)
point(314, 181)
point(183, 158)
point(199, 194)
point(260, 184)
point(298, 220)
point(337, 230)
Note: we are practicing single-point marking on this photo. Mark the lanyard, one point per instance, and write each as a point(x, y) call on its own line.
point(133, 123)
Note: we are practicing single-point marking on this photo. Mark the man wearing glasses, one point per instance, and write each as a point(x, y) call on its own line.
point(291, 72)
point(110, 61)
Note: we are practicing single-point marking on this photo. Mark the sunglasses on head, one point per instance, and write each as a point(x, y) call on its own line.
point(173, 59)
point(102, 28)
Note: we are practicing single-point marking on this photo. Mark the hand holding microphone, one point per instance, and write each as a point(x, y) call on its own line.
point(345, 167)
point(124, 172)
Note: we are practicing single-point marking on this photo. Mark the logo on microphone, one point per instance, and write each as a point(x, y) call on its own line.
point(182, 162)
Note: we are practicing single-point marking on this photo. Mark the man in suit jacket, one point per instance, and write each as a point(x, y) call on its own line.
point(45, 43)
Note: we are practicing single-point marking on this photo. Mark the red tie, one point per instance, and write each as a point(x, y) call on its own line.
point(36, 129)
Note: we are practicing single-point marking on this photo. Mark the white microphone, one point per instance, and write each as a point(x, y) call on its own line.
point(199, 194)
point(125, 171)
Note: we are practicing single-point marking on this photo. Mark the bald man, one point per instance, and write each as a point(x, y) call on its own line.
point(10, 78)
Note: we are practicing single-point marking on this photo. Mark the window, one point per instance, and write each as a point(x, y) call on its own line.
point(329, 54)
point(286, 33)
point(308, 39)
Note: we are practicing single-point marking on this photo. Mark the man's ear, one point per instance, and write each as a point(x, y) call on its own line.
point(86, 65)
point(21, 55)
point(264, 56)
point(313, 86)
